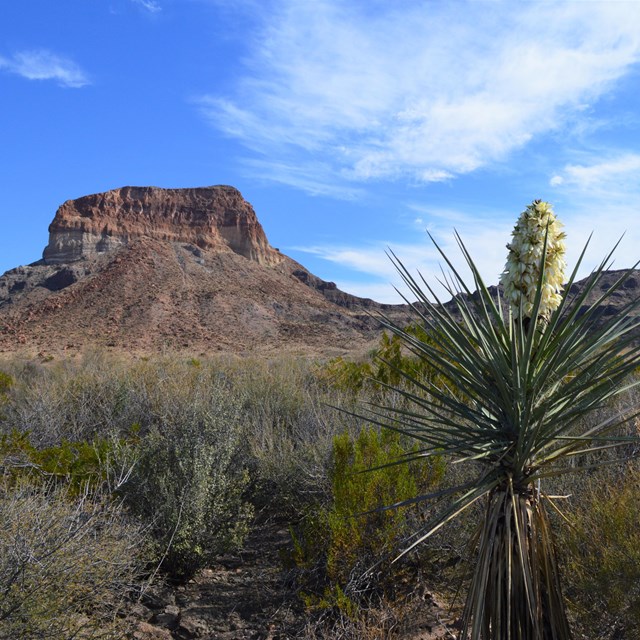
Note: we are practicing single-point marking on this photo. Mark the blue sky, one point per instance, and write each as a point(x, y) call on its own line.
point(351, 126)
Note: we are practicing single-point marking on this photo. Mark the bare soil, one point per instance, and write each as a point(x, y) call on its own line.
point(248, 596)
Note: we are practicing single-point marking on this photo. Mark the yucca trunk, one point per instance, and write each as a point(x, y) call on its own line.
point(515, 591)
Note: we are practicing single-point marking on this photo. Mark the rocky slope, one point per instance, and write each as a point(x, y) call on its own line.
point(144, 269)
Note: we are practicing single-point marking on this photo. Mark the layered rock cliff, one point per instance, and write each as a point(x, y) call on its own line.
point(208, 217)
point(142, 269)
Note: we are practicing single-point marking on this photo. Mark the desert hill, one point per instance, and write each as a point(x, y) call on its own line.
point(145, 269)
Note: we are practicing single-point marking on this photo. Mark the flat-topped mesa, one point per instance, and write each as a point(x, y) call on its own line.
point(215, 217)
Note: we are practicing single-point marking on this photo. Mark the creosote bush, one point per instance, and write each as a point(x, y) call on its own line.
point(386, 365)
point(344, 549)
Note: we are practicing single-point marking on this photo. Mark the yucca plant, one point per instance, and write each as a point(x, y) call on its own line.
point(518, 374)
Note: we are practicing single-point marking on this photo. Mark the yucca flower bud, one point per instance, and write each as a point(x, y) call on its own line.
point(522, 272)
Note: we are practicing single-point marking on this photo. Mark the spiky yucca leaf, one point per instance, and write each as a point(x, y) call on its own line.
point(513, 399)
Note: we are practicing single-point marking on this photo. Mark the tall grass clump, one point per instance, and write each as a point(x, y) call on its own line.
point(288, 425)
point(516, 385)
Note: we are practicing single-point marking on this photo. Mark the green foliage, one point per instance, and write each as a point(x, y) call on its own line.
point(6, 382)
point(188, 487)
point(345, 539)
point(362, 484)
point(389, 363)
point(80, 466)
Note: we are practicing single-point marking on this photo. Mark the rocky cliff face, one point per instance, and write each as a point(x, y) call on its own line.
point(143, 269)
point(209, 218)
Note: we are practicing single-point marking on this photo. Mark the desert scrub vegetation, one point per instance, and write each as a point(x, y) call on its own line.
point(68, 562)
point(188, 484)
point(192, 448)
point(385, 366)
point(344, 547)
point(601, 554)
point(188, 452)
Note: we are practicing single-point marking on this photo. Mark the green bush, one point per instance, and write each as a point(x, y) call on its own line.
point(387, 364)
point(81, 466)
point(340, 543)
point(188, 487)
point(6, 382)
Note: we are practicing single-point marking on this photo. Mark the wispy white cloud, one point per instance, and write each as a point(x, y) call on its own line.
point(380, 276)
point(315, 178)
point(601, 194)
point(613, 172)
point(428, 91)
point(150, 5)
point(40, 64)
point(485, 236)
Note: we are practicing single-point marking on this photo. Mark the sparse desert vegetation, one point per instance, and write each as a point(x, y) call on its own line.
point(115, 471)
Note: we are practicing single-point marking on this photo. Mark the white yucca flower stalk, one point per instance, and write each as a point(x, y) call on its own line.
point(521, 275)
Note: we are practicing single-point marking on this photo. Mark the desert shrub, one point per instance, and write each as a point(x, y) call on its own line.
point(67, 564)
point(70, 401)
point(387, 364)
point(188, 486)
point(601, 555)
point(6, 382)
point(344, 549)
point(288, 426)
point(103, 464)
point(166, 434)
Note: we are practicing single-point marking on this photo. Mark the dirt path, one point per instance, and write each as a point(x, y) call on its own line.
point(241, 597)
point(244, 597)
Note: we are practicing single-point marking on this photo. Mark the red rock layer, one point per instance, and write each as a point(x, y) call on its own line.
point(215, 217)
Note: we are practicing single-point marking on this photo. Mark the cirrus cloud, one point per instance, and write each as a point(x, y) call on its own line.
point(426, 92)
point(149, 5)
point(611, 172)
point(41, 64)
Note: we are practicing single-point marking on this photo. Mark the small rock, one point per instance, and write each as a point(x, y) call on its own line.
point(146, 631)
point(168, 618)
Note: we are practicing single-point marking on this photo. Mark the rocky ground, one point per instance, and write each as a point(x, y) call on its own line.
point(247, 596)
